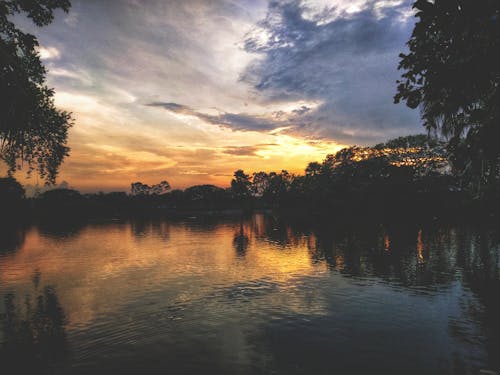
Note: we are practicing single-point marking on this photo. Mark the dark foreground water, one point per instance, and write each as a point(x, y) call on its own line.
point(249, 296)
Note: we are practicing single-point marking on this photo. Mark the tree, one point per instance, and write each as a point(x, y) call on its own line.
point(313, 169)
point(138, 188)
point(32, 130)
point(452, 72)
point(160, 188)
point(240, 185)
point(279, 184)
point(12, 194)
point(260, 184)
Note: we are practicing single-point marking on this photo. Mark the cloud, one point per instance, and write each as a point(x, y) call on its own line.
point(49, 53)
point(347, 61)
point(326, 11)
point(259, 84)
point(234, 121)
point(245, 150)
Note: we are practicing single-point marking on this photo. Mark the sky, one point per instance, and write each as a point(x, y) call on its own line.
point(188, 91)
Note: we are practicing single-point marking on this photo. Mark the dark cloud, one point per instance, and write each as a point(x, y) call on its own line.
point(241, 150)
point(173, 107)
point(349, 64)
point(246, 150)
point(234, 121)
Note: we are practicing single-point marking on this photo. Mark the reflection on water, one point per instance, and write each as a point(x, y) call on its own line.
point(33, 332)
point(241, 241)
point(11, 239)
point(252, 295)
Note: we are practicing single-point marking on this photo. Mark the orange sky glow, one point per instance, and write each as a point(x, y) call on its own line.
point(190, 91)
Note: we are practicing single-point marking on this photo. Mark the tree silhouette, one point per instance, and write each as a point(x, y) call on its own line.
point(452, 72)
point(313, 169)
point(240, 185)
point(260, 184)
point(32, 130)
point(138, 188)
point(11, 198)
point(10, 190)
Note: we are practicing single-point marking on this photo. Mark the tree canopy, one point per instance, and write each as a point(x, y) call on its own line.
point(33, 132)
point(452, 73)
point(140, 189)
point(240, 184)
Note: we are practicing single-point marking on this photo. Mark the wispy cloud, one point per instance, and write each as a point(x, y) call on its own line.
point(49, 53)
point(191, 90)
point(234, 121)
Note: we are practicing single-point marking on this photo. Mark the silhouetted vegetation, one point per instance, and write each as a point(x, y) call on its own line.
point(405, 176)
point(32, 131)
point(452, 73)
point(138, 188)
point(34, 332)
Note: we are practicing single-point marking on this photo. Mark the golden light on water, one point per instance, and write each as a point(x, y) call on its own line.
point(420, 247)
point(387, 242)
point(149, 255)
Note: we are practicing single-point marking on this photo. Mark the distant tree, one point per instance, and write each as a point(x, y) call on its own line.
point(11, 196)
point(138, 188)
point(61, 204)
point(260, 184)
point(240, 185)
point(313, 169)
point(452, 72)
point(11, 189)
point(160, 188)
point(59, 195)
point(279, 184)
point(32, 130)
point(202, 192)
point(206, 196)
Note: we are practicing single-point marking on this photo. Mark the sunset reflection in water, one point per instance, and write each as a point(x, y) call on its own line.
point(249, 293)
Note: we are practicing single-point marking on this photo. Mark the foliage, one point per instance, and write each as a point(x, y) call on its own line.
point(10, 190)
point(452, 72)
point(389, 176)
point(32, 130)
point(426, 155)
point(240, 185)
point(271, 186)
point(12, 202)
point(409, 141)
point(202, 192)
point(56, 194)
point(138, 188)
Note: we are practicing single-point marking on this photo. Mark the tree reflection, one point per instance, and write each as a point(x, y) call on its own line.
point(240, 241)
point(143, 228)
point(11, 238)
point(34, 337)
point(481, 264)
point(409, 255)
point(61, 228)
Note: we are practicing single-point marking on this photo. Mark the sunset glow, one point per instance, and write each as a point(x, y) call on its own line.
point(190, 91)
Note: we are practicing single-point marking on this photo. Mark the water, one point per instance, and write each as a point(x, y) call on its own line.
point(249, 296)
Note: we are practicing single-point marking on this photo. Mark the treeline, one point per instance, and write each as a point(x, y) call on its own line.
point(405, 176)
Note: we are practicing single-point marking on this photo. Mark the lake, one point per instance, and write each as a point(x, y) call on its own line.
point(252, 295)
